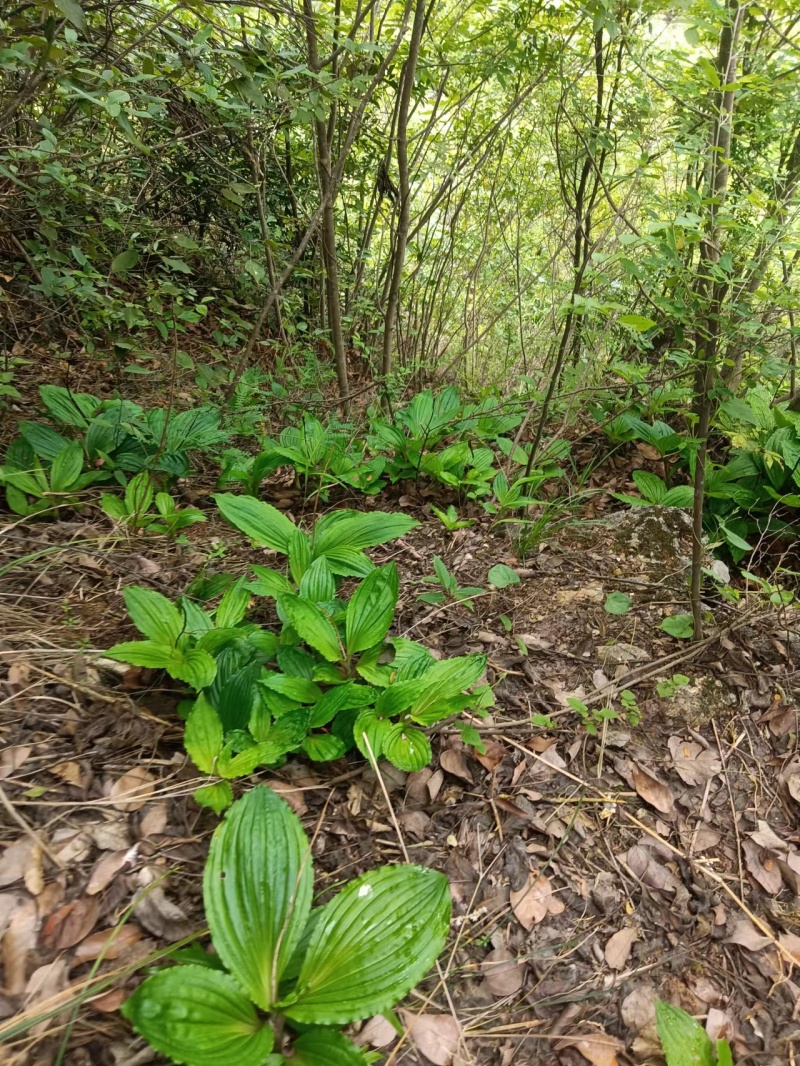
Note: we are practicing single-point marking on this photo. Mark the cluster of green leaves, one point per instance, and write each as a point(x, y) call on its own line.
point(328, 680)
point(755, 493)
point(132, 510)
point(41, 483)
point(312, 970)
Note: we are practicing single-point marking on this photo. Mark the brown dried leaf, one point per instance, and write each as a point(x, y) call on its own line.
point(619, 947)
point(34, 873)
point(534, 901)
point(109, 1002)
point(72, 772)
point(652, 790)
point(15, 860)
point(745, 934)
point(159, 915)
point(455, 762)
point(435, 1035)
point(71, 923)
point(154, 821)
point(107, 868)
point(693, 763)
point(12, 758)
point(495, 753)
point(763, 865)
point(599, 1049)
point(293, 795)
point(133, 789)
point(377, 1032)
point(18, 942)
point(108, 943)
point(503, 973)
point(638, 1009)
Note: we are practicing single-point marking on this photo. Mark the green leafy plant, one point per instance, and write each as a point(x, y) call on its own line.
point(655, 492)
point(329, 680)
point(132, 510)
point(450, 519)
point(671, 685)
point(35, 485)
point(310, 971)
point(502, 576)
point(678, 625)
point(617, 603)
point(451, 590)
point(685, 1042)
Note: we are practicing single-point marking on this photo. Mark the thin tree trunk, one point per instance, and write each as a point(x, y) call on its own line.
point(404, 193)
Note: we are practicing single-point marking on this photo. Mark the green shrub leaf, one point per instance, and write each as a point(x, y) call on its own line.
point(683, 1040)
point(218, 796)
point(314, 627)
point(147, 653)
point(257, 890)
point(258, 520)
point(66, 467)
point(203, 736)
point(617, 603)
point(678, 625)
point(153, 614)
point(194, 666)
point(359, 529)
point(199, 1016)
point(371, 944)
point(324, 1047)
point(407, 748)
point(371, 609)
point(501, 576)
point(269, 582)
point(233, 605)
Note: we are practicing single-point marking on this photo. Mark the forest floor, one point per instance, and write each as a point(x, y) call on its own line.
point(590, 873)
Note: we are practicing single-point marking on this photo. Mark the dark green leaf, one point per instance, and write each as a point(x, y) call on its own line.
point(324, 1047)
point(258, 520)
point(125, 261)
point(314, 627)
point(153, 614)
point(203, 735)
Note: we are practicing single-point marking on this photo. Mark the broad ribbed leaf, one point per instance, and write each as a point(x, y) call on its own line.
point(202, 737)
point(650, 485)
point(323, 1047)
point(371, 609)
point(349, 562)
point(369, 730)
point(407, 748)
point(199, 1016)
point(314, 627)
point(218, 796)
point(44, 440)
point(322, 747)
point(341, 698)
point(683, 1040)
point(295, 688)
point(359, 529)
point(194, 666)
point(139, 493)
point(233, 605)
point(143, 653)
point(153, 614)
point(257, 890)
point(66, 467)
point(269, 582)
point(258, 520)
point(317, 583)
point(299, 555)
point(371, 944)
point(447, 678)
point(679, 496)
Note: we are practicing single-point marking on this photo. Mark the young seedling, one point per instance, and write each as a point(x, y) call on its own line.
point(451, 591)
point(450, 519)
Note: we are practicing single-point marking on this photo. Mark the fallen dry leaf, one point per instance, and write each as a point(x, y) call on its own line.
point(159, 915)
point(133, 789)
point(108, 1002)
point(619, 947)
point(18, 943)
point(107, 868)
point(71, 923)
point(693, 763)
point(745, 934)
point(502, 972)
point(293, 795)
point(764, 867)
point(638, 1008)
point(599, 1049)
point(377, 1032)
point(534, 901)
point(72, 772)
point(15, 860)
point(652, 790)
point(12, 758)
point(154, 821)
point(34, 873)
point(455, 762)
point(435, 1035)
point(108, 943)
point(495, 753)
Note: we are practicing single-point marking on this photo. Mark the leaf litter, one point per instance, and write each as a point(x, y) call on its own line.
point(580, 865)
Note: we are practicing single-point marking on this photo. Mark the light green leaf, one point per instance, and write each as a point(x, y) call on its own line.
point(203, 735)
point(199, 1016)
point(678, 625)
point(314, 627)
point(371, 609)
point(139, 493)
point(257, 889)
point(325, 1047)
point(638, 323)
point(147, 653)
point(372, 727)
point(113, 506)
point(299, 555)
point(371, 944)
point(501, 576)
point(683, 1040)
point(258, 520)
point(194, 666)
point(153, 614)
point(218, 796)
point(443, 681)
point(295, 688)
point(66, 467)
point(617, 603)
point(72, 11)
point(317, 583)
point(268, 582)
point(679, 496)
point(349, 562)
point(323, 747)
point(650, 485)
point(407, 748)
point(233, 605)
point(359, 529)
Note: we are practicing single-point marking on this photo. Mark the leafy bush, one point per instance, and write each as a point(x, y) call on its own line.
point(329, 680)
point(37, 483)
point(133, 509)
point(314, 969)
